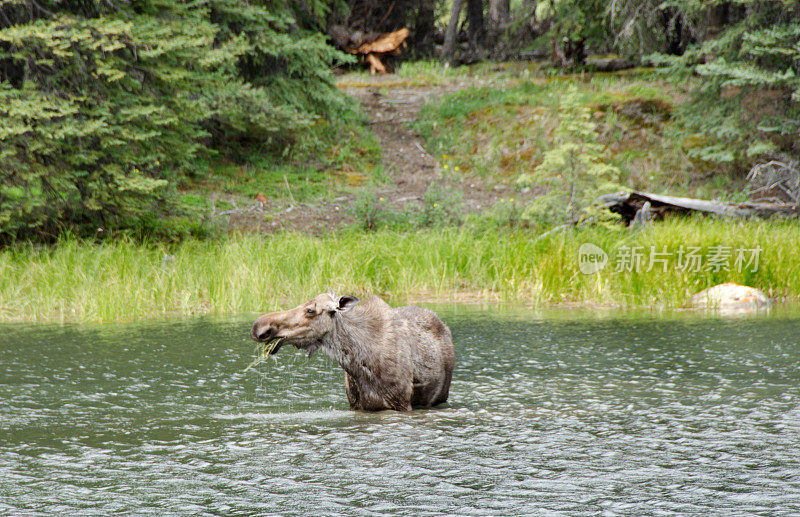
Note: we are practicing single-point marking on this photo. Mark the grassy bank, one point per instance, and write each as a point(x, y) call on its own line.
point(501, 130)
point(78, 281)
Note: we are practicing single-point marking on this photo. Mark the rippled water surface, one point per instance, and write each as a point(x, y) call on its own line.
point(570, 413)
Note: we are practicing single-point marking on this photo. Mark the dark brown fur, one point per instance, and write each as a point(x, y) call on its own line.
point(393, 358)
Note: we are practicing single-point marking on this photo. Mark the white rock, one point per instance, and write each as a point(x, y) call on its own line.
point(729, 296)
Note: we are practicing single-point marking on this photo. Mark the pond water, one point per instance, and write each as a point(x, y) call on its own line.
point(563, 413)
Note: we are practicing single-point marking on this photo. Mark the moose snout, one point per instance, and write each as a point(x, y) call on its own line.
point(261, 332)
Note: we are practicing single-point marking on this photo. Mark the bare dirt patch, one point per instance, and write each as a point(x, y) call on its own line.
point(411, 168)
point(390, 106)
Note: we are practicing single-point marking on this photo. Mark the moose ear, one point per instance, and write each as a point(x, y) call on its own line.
point(346, 303)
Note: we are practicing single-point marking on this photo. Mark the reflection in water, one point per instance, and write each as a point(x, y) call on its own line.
point(567, 413)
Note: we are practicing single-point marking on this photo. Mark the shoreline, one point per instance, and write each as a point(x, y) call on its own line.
point(783, 306)
point(80, 281)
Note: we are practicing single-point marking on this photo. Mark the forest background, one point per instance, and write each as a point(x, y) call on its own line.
point(156, 123)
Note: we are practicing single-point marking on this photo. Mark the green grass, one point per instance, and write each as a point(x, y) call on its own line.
point(414, 74)
point(407, 74)
point(249, 179)
point(113, 281)
point(334, 155)
point(497, 130)
point(498, 133)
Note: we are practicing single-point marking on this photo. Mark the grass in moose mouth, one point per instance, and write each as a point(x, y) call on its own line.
point(264, 350)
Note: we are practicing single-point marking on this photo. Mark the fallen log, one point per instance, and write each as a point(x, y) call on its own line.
point(375, 64)
point(385, 43)
point(608, 64)
point(389, 43)
point(628, 204)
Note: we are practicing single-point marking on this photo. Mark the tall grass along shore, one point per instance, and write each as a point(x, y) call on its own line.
point(659, 267)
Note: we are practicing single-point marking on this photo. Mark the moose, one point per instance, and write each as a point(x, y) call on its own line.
point(393, 358)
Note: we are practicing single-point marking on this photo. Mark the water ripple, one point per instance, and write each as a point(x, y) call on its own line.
point(567, 416)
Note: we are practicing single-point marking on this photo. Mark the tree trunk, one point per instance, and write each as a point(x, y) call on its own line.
point(424, 27)
point(498, 24)
point(569, 54)
point(476, 28)
point(720, 15)
point(450, 36)
point(498, 14)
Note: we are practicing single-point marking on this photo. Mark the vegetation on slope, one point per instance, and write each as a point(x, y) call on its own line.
point(106, 107)
point(124, 125)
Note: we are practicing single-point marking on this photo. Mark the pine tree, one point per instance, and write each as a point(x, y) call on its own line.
point(574, 170)
point(748, 57)
point(104, 105)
